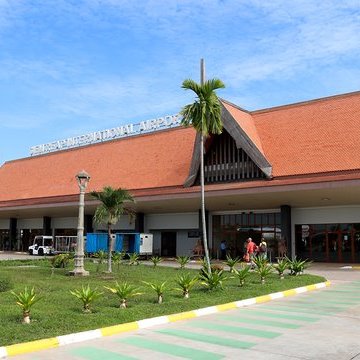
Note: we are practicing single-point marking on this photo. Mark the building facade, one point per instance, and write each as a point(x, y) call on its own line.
point(290, 174)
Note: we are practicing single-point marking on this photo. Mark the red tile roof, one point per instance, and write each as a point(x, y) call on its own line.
point(154, 160)
point(312, 137)
point(315, 137)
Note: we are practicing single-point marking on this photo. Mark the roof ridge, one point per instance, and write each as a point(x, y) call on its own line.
point(234, 105)
point(304, 103)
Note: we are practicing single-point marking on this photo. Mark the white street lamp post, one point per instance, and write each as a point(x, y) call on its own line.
point(83, 179)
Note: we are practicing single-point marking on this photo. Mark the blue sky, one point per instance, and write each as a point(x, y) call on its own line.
point(70, 67)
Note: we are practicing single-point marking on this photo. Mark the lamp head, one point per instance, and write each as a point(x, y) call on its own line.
point(82, 178)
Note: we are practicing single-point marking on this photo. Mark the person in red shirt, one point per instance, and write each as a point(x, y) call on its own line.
point(251, 249)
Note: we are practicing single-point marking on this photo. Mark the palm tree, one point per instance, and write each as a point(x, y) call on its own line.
point(109, 211)
point(204, 115)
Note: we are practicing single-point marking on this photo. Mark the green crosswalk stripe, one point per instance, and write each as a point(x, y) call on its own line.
point(302, 304)
point(323, 301)
point(171, 349)
point(208, 338)
point(252, 320)
point(339, 297)
point(281, 316)
point(234, 329)
point(325, 310)
point(349, 291)
point(91, 353)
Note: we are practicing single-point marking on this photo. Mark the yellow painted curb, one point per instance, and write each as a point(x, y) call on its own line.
point(311, 287)
point(262, 299)
point(117, 329)
point(182, 316)
point(31, 346)
point(290, 292)
point(227, 306)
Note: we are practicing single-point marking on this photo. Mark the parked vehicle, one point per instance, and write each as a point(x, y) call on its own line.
point(42, 245)
point(47, 245)
point(138, 243)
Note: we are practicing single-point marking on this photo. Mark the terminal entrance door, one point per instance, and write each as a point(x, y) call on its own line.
point(168, 243)
point(328, 242)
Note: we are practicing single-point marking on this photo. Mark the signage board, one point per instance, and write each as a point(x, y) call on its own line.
point(168, 121)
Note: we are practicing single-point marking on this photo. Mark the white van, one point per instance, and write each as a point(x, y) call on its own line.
point(42, 245)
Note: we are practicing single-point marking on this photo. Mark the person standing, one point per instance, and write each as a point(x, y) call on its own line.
point(223, 250)
point(250, 249)
point(263, 249)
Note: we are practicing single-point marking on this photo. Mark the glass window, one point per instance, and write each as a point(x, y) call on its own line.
point(47, 242)
point(271, 219)
point(278, 218)
point(258, 219)
point(251, 219)
point(245, 219)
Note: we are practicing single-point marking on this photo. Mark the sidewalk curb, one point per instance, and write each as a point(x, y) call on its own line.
point(49, 343)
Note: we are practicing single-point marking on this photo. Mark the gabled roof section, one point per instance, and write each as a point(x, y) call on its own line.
point(245, 121)
point(241, 126)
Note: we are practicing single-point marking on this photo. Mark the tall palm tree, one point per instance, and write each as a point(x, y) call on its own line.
point(109, 211)
point(205, 116)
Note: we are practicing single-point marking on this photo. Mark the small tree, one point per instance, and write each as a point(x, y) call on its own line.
point(242, 273)
point(212, 280)
point(231, 262)
point(159, 288)
point(124, 291)
point(186, 283)
point(86, 295)
point(297, 266)
point(134, 259)
point(281, 266)
point(112, 206)
point(182, 260)
point(260, 261)
point(26, 300)
point(156, 260)
point(117, 258)
point(101, 256)
point(264, 270)
point(60, 260)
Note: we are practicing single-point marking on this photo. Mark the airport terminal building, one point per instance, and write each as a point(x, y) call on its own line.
point(290, 174)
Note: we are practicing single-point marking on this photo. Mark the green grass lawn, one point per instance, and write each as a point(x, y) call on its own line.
point(60, 313)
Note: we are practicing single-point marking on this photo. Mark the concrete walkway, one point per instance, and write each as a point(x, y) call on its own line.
point(322, 324)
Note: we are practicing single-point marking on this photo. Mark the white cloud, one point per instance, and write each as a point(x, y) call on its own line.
point(242, 41)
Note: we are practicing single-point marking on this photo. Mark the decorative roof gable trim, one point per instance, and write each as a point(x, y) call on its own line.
point(195, 162)
point(242, 140)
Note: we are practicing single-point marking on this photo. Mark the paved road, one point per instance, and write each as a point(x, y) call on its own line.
point(10, 255)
